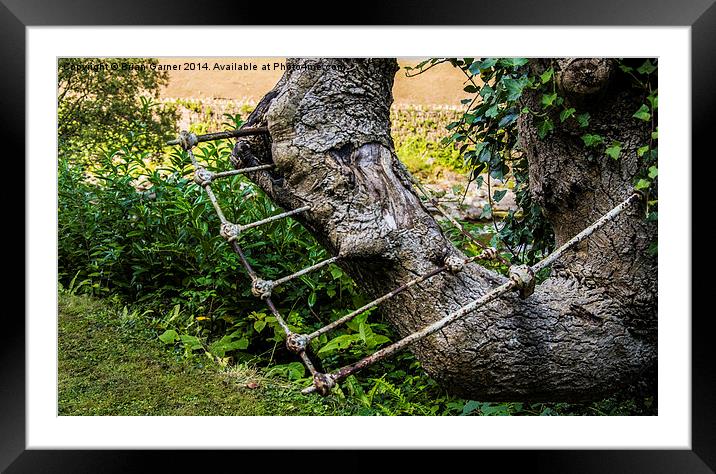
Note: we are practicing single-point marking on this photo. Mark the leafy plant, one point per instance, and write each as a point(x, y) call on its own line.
point(486, 136)
point(112, 100)
point(141, 228)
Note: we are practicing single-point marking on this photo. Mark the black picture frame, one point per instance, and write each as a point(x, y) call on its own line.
point(16, 15)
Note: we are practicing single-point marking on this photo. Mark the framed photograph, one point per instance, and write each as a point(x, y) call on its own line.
point(389, 144)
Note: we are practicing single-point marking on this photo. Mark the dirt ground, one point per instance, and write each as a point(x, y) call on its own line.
point(442, 85)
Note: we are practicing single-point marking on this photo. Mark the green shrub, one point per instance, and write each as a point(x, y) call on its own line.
point(144, 230)
point(99, 103)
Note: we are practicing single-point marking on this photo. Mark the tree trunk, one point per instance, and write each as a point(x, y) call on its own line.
point(587, 331)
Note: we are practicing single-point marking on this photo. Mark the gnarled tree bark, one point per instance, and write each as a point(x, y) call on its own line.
point(588, 330)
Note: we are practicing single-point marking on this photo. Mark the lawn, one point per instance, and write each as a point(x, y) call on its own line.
point(108, 366)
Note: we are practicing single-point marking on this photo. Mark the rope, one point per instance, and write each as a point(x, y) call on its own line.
point(521, 277)
point(323, 382)
point(494, 255)
point(348, 317)
point(598, 224)
point(188, 140)
point(274, 218)
point(230, 231)
point(263, 288)
point(204, 177)
point(306, 270)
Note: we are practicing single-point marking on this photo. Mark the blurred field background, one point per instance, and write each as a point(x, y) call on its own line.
point(423, 106)
point(442, 87)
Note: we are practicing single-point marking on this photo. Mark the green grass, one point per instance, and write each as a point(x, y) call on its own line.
point(427, 159)
point(108, 365)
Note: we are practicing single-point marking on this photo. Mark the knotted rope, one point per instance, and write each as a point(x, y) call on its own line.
point(521, 277)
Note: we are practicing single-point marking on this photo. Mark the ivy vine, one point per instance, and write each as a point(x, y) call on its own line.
point(487, 137)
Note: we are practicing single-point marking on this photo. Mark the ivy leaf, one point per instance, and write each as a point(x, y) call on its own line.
point(470, 89)
point(508, 118)
point(486, 91)
point(642, 113)
point(653, 172)
point(646, 68)
point(546, 76)
point(486, 212)
point(544, 128)
point(227, 344)
point(655, 134)
point(469, 407)
point(470, 118)
point(514, 87)
point(614, 150)
point(583, 119)
point(485, 155)
point(626, 68)
point(548, 99)
point(479, 66)
point(498, 172)
point(452, 125)
point(566, 113)
point(653, 99)
point(592, 140)
point(498, 195)
point(513, 62)
point(492, 111)
point(376, 340)
point(456, 137)
point(642, 184)
point(487, 63)
point(641, 150)
point(477, 167)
